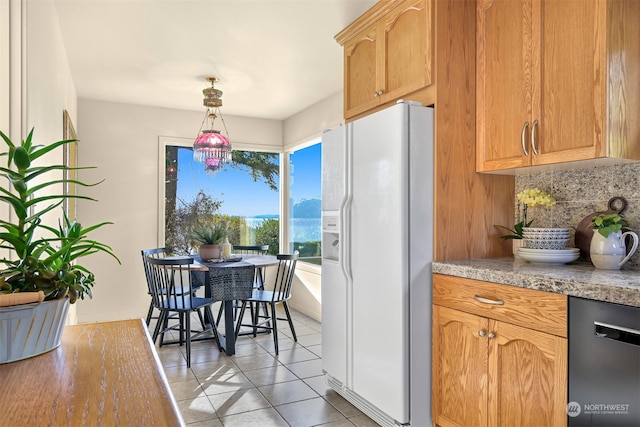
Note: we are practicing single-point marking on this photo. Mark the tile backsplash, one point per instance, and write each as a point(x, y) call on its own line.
point(579, 193)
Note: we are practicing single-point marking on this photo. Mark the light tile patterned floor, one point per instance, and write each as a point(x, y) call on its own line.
point(256, 388)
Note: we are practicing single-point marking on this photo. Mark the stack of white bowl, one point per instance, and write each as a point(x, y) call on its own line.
point(546, 238)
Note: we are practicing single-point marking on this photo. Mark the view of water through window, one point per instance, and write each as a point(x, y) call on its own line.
point(305, 224)
point(244, 195)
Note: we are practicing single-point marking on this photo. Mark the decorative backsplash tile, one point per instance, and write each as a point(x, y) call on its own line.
point(579, 193)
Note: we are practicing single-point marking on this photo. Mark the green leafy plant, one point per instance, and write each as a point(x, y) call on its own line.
point(608, 223)
point(209, 234)
point(528, 198)
point(46, 257)
point(516, 232)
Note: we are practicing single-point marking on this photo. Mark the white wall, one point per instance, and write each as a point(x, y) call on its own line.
point(310, 123)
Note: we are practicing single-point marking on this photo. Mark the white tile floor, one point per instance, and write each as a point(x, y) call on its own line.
point(256, 388)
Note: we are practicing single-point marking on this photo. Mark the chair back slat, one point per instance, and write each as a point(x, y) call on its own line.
point(251, 249)
point(284, 276)
point(171, 282)
point(155, 253)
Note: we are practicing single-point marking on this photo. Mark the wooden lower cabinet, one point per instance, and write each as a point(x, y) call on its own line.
point(489, 372)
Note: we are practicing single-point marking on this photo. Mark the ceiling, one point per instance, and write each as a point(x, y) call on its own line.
point(273, 58)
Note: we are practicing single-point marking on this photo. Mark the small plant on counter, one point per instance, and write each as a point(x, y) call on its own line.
point(608, 223)
point(529, 198)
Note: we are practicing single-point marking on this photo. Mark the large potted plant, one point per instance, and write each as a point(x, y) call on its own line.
point(43, 259)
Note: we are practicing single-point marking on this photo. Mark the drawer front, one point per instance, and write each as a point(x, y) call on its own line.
point(542, 311)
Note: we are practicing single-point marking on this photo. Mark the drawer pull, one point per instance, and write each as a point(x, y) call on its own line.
point(487, 300)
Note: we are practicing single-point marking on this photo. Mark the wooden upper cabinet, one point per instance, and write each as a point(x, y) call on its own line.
point(387, 54)
point(555, 82)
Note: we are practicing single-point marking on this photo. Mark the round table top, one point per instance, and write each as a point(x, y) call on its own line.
point(255, 260)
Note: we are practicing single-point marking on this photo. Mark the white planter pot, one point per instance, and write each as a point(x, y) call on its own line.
point(31, 329)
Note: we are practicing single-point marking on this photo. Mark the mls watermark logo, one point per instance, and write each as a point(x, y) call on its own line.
point(573, 409)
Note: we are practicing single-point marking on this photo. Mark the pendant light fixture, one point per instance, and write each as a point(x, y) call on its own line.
point(211, 147)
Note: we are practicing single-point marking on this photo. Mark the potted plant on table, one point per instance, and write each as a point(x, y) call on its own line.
point(209, 237)
point(41, 276)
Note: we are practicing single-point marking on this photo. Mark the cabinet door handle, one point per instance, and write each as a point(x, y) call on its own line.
point(378, 93)
point(488, 300)
point(533, 137)
point(491, 335)
point(481, 332)
point(523, 138)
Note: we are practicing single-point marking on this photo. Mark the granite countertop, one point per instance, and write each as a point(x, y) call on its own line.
point(578, 279)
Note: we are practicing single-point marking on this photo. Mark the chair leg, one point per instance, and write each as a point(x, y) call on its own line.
point(239, 322)
point(286, 310)
point(156, 330)
point(187, 328)
point(202, 322)
point(274, 319)
point(165, 324)
point(214, 329)
point(150, 313)
point(255, 318)
point(220, 312)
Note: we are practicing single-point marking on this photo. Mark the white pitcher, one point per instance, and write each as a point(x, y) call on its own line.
point(610, 253)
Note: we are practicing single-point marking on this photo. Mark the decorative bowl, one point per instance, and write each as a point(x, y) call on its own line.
point(559, 243)
point(546, 230)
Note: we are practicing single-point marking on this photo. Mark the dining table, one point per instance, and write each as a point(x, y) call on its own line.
point(217, 269)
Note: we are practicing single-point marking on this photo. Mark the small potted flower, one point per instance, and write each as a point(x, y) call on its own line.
point(529, 198)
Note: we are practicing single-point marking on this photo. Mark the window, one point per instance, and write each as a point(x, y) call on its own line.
point(305, 175)
point(244, 194)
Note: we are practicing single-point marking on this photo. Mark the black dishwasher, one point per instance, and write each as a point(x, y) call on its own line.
point(604, 364)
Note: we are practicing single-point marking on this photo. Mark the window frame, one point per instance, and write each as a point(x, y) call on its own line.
point(284, 237)
point(164, 141)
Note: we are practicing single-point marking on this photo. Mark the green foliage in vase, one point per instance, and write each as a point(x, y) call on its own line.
point(46, 257)
point(608, 223)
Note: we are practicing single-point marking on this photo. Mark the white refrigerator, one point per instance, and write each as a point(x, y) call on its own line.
point(377, 250)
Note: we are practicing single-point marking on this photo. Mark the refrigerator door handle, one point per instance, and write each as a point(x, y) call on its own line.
point(345, 208)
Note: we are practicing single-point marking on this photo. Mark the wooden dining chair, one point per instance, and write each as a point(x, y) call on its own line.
point(159, 253)
point(280, 294)
point(170, 280)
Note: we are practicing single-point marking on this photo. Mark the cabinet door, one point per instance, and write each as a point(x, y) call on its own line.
point(572, 75)
point(527, 377)
point(406, 65)
point(504, 83)
point(361, 71)
point(459, 368)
